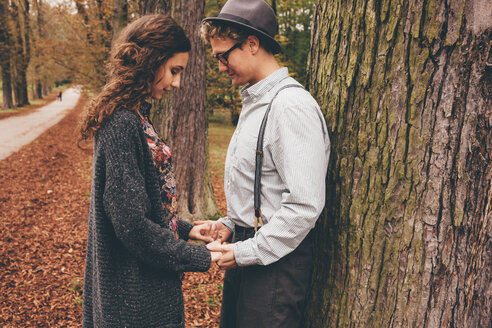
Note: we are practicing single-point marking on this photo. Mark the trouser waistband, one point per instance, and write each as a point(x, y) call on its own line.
point(243, 233)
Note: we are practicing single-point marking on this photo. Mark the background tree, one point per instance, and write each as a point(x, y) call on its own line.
point(406, 87)
point(5, 54)
point(294, 17)
point(37, 37)
point(181, 119)
point(21, 46)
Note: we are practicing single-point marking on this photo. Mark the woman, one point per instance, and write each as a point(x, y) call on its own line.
point(136, 246)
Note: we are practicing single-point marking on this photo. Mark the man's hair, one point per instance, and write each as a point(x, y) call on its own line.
point(220, 29)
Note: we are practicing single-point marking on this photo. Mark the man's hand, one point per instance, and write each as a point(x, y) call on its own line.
point(215, 256)
point(227, 261)
point(200, 232)
point(209, 231)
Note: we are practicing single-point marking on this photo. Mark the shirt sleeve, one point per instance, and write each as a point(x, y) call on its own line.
point(300, 150)
point(227, 222)
point(127, 205)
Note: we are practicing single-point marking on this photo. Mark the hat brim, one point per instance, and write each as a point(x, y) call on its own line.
point(276, 48)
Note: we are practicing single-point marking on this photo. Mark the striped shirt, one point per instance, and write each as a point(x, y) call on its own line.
point(296, 151)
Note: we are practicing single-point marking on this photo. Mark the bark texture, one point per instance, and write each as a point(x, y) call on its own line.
point(181, 119)
point(22, 50)
point(5, 53)
point(406, 87)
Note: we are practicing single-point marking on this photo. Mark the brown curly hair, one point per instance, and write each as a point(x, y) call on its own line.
point(141, 48)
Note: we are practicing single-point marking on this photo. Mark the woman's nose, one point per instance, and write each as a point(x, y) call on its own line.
point(176, 83)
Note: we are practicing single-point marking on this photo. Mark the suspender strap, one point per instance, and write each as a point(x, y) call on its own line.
point(259, 158)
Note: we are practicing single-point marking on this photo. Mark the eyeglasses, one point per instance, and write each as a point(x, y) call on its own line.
point(224, 57)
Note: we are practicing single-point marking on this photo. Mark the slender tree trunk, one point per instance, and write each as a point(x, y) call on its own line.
point(120, 16)
point(22, 51)
point(38, 92)
point(5, 51)
point(7, 87)
point(405, 240)
point(181, 118)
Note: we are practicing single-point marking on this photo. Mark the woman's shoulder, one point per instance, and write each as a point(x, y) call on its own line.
point(123, 120)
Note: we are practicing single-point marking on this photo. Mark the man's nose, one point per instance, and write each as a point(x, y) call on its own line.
point(222, 67)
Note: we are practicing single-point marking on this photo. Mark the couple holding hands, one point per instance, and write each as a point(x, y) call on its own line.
point(274, 181)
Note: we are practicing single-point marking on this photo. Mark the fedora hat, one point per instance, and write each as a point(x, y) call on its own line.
point(255, 15)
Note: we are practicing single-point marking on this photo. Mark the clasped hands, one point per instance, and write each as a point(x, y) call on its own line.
point(215, 234)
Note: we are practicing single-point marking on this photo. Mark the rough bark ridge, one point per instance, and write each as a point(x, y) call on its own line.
point(182, 120)
point(5, 54)
point(406, 87)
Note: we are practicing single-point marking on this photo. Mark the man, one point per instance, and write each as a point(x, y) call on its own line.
point(268, 271)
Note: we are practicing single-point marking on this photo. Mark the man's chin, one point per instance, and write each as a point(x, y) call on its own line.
point(236, 82)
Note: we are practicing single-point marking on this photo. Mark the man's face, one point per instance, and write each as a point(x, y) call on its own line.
point(239, 60)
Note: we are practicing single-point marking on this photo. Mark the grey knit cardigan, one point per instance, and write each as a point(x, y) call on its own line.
point(133, 260)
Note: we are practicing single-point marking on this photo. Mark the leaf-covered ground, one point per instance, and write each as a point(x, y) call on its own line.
point(44, 200)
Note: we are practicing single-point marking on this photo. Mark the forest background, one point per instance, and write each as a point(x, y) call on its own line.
point(406, 90)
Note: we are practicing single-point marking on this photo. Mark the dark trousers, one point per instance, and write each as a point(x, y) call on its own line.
point(267, 296)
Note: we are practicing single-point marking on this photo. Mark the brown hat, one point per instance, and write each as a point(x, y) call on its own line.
point(255, 15)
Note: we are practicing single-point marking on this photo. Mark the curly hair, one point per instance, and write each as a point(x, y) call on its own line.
point(136, 55)
point(209, 30)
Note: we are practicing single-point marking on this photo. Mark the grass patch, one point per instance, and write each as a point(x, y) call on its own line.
point(219, 136)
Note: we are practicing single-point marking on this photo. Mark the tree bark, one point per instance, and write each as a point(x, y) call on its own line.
point(182, 121)
point(120, 16)
point(22, 50)
point(5, 51)
point(38, 87)
point(405, 240)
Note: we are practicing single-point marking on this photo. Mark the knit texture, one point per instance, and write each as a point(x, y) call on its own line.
point(132, 261)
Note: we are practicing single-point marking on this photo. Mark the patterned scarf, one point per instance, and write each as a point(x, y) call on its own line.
point(162, 157)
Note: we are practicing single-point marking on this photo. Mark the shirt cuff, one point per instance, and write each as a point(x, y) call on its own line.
point(244, 253)
point(227, 222)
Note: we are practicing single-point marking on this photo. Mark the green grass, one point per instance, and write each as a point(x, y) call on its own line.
point(218, 136)
point(222, 118)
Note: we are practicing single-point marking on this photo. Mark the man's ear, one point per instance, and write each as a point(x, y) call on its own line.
point(253, 44)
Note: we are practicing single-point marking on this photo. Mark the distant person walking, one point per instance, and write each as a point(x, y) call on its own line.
point(59, 97)
point(136, 246)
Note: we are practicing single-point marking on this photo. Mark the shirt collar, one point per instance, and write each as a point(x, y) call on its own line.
point(262, 87)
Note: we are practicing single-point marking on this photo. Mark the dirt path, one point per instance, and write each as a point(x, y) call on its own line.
point(44, 200)
point(18, 131)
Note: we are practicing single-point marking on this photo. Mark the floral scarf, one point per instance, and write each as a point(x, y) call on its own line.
point(162, 157)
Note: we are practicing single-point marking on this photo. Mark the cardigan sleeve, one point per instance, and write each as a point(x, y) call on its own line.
point(127, 205)
point(184, 229)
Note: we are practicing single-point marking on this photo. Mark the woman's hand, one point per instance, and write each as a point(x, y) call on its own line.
point(216, 255)
point(227, 260)
point(201, 232)
point(209, 231)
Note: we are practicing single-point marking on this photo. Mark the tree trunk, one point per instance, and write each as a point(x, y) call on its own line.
point(406, 87)
point(120, 16)
point(181, 120)
point(38, 91)
point(22, 50)
point(5, 51)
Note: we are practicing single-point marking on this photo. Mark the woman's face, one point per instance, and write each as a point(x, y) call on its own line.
point(168, 76)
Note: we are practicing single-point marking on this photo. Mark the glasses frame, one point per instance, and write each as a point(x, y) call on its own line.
point(224, 57)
